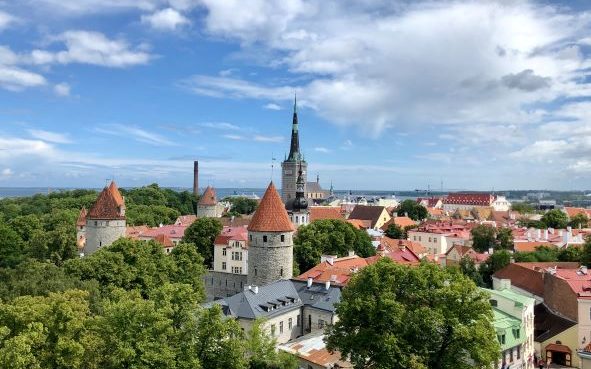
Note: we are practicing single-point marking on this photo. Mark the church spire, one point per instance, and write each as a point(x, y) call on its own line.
point(294, 150)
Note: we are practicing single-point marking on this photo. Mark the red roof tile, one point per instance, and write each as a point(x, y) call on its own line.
point(338, 271)
point(271, 215)
point(528, 246)
point(186, 220)
point(325, 212)
point(529, 276)
point(231, 234)
point(208, 198)
point(82, 217)
point(170, 230)
point(164, 240)
point(399, 221)
point(107, 205)
point(477, 199)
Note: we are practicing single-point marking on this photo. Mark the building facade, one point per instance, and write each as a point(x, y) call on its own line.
point(105, 221)
point(270, 238)
point(293, 164)
point(298, 212)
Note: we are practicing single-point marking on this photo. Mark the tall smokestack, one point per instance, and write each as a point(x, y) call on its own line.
point(196, 178)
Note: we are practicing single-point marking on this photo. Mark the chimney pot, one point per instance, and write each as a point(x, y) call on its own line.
point(310, 279)
point(327, 285)
point(255, 289)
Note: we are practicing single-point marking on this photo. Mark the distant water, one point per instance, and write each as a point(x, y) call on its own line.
point(221, 192)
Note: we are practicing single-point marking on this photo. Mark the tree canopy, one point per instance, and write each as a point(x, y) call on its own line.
point(485, 237)
point(241, 205)
point(412, 209)
point(393, 316)
point(202, 234)
point(329, 237)
point(555, 218)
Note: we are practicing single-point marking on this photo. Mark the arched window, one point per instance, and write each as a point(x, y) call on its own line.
point(281, 272)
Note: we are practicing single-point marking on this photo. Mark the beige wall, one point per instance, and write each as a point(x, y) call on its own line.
point(314, 316)
point(384, 217)
point(219, 257)
point(584, 323)
point(568, 338)
point(276, 321)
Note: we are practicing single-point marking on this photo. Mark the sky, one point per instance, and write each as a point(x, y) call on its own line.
point(459, 95)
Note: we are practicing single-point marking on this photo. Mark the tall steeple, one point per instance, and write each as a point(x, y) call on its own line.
point(300, 203)
point(294, 149)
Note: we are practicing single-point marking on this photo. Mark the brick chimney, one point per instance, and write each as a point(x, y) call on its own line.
point(196, 178)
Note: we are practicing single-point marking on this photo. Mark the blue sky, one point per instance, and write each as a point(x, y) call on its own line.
point(392, 95)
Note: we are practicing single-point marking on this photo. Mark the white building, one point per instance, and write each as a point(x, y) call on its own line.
point(230, 251)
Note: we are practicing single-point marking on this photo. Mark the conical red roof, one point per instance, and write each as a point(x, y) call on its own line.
point(271, 215)
point(106, 205)
point(82, 217)
point(208, 198)
point(116, 194)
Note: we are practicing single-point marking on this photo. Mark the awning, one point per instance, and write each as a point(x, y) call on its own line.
point(558, 348)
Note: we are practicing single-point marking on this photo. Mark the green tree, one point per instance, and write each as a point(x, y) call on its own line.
point(586, 252)
point(50, 327)
point(329, 237)
point(219, 342)
point(555, 218)
point(413, 210)
point(241, 205)
point(188, 268)
point(504, 238)
point(393, 316)
point(483, 238)
point(468, 268)
point(26, 225)
point(495, 262)
point(202, 233)
point(522, 207)
point(395, 231)
point(579, 221)
point(570, 253)
point(11, 247)
point(262, 353)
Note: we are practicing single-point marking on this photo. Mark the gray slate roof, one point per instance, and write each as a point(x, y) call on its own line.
point(279, 297)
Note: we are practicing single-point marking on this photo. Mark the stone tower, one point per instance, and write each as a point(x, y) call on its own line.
point(299, 214)
point(208, 204)
point(292, 164)
point(105, 221)
point(270, 236)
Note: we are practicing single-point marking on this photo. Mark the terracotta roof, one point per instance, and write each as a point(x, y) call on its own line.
point(186, 219)
point(164, 240)
point(571, 212)
point(481, 199)
point(531, 246)
point(208, 198)
point(170, 230)
point(271, 215)
point(107, 205)
point(462, 250)
point(435, 212)
point(82, 217)
point(367, 212)
point(325, 212)
point(399, 221)
point(228, 234)
point(558, 348)
point(529, 276)
point(360, 224)
point(338, 271)
point(579, 282)
point(243, 220)
point(428, 202)
point(116, 194)
point(397, 251)
point(134, 232)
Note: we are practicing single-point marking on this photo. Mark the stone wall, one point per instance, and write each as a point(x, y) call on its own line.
point(271, 260)
point(209, 211)
point(289, 177)
point(559, 297)
point(219, 285)
point(102, 233)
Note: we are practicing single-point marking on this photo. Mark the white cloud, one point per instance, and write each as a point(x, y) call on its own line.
point(84, 7)
point(14, 78)
point(167, 19)
point(322, 150)
point(6, 20)
point(376, 66)
point(53, 137)
point(91, 48)
point(221, 126)
point(261, 138)
point(62, 89)
point(135, 133)
point(234, 137)
point(7, 172)
point(272, 106)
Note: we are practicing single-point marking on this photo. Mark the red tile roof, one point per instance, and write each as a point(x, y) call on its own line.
point(477, 199)
point(338, 271)
point(82, 217)
point(171, 231)
point(397, 251)
point(571, 212)
point(208, 198)
point(430, 201)
point(360, 224)
point(325, 212)
point(108, 205)
point(164, 240)
point(231, 234)
point(186, 219)
point(531, 246)
point(529, 276)
point(271, 215)
point(134, 232)
point(399, 221)
point(579, 283)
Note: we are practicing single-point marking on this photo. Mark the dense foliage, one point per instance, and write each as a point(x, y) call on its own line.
point(241, 205)
point(202, 234)
point(412, 209)
point(329, 237)
point(393, 316)
point(485, 237)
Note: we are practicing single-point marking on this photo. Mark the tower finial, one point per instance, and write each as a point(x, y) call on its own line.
point(295, 102)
